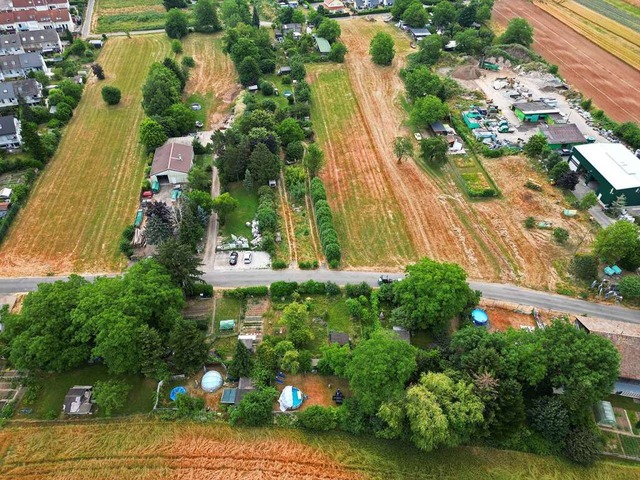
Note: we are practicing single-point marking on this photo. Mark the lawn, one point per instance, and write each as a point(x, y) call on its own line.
point(54, 387)
point(247, 205)
point(631, 445)
point(624, 402)
point(226, 309)
point(128, 15)
point(144, 449)
point(89, 191)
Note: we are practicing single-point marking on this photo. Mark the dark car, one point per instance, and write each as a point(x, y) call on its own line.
point(565, 152)
point(384, 279)
point(233, 258)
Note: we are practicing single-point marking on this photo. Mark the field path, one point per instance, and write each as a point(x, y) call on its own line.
point(613, 85)
point(87, 194)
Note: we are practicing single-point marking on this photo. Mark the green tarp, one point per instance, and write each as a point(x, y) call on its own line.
point(155, 186)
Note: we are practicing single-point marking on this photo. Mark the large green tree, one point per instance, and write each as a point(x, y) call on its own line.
point(415, 15)
point(110, 395)
point(382, 49)
point(433, 151)
point(427, 110)
point(379, 369)
point(263, 165)
point(177, 24)
point(617, 241)
point(518, 31)
point(181, 262)
point(223, 205)
point(240, 365)
point(255, 408)
point(421, 82)
point(313, 160)
point(206, 17)
point(289, 131)
point(444, 14)
point(431, 295)
point(296, 319)
point(329, 29)
point(402, 147)
point(189, 346)
point(161, 90)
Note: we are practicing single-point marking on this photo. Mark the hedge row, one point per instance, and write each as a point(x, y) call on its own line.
point(19, 198)
point(324, 219)
point(267, 216)
point(245, 292)
point(371, 11)
point(286, 289)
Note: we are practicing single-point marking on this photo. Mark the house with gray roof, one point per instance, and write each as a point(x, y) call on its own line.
point(41, 41)
point(10, 138)
point(19, 66)
point(78, 400)
point(28, 90)
point(10, 44)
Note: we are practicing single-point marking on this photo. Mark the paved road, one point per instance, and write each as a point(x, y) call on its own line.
point(86, 21)
point(494, 291)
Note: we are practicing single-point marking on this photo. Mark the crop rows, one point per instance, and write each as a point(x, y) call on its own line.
point(614, 13)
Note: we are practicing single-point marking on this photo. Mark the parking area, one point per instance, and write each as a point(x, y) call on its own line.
point(259, 261)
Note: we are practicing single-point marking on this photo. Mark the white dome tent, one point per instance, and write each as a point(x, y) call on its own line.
point(290, 398)
point(211, 381)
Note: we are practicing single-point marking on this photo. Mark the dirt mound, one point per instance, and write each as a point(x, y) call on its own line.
point(467, 72)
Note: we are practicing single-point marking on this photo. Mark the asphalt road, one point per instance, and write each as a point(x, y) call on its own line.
point(86, 21)
point(494, 291)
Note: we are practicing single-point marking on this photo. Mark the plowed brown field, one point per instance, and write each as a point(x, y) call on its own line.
point(613, 85)
point(388, 214)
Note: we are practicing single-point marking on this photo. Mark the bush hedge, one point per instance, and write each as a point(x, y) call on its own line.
point(244, 292)
point(203, 289)
point(283, 289)
point(324, 219)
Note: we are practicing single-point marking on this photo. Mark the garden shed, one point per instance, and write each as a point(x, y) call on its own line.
point(323, 45)
point(172, 163)
point(562, 136)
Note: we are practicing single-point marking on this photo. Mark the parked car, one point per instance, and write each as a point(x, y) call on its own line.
point(199, 124)
point(247, 258)
point(418, 136)
point(196, 106)
point(233, 258)
point(384, 279)
point(565, 152)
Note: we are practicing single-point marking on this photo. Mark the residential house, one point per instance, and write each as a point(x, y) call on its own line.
point(78, 400)
point(40, 5)
point(10, 44)
point(29, 90)
point(294, 29)
point(23, 20)
point(625, 337)
point(10, 137)
point(334, 6)
point(172, 163)
point(19, 66)
point(42, 41)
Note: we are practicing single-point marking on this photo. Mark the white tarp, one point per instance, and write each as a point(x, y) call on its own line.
point(290, 398)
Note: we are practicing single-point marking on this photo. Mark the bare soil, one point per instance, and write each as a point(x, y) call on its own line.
point(316, 388)
point(590, 69)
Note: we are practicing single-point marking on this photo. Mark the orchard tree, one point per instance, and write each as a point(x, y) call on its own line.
point(177, 24)
point(427, 110)
point(560, 235)
point(617, 241)
point(518, 31)
point(382, 49)
point(379, 369)
point(338, 51)
point(223, 205)
point(313, 160)
point(329, 29)
point(433, 150)
point(431, 295)
point(402, 147)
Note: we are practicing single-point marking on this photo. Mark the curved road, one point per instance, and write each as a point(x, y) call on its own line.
point(494, 291)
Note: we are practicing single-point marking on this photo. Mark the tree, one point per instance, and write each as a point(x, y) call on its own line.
point(223, 205)
point(199, 179)
point(469, 41)
point(289, 131)
point(338, 51)
point(235, 12)
point(434, 151)
point(151, 353)
point(559, 170)
point(617, 206)
point(431, 295)
point(535, 146)
point(255, 409)
point(617, 241)
point(264, 165)
point(588, 201)
point(550, 417)
point(64, 112)
point(110, 395)
point(402, 147)
point(190, 349)
point(160, 91)
point(427, 110)
point(379, 369)
point(183, 118)
point(255, 20)
point(442, 412)
point(420, 82)
point(295, 151)
point(319, 418)
point(415, 15)
point(158, 230)
point(561, 235)
point(518, 31)
point(206, 17)
point(177, 24)
point(329, 29)
point(467, 15)
point(240, 365)
point(32, 143)
point(429, 49)
point(630, 287)
point(583, 446)
point(98, 71)
point(313, 160)
point(169, 4)
point(249, 71)
point(382, 49)
point(334, 359)
point(568, 180)
point(444, 14)
point(111, 95)
point(176, 47)
point(180, 262)
point(296, 319)
point(584, 267)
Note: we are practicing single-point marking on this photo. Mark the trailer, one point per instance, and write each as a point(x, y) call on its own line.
point(139, 217)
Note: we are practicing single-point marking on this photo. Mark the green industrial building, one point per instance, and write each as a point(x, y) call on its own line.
point(614, 167)
point(533, 111)
point(562, 135)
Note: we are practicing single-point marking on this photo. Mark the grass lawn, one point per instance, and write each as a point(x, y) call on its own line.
point(631, 445)
point(55, 387)
point(421, 339)
point(226, 309)
point(624, 402)
point(205, 101)
point(89, 191)
point(129, 15)
point(236, 221)
point(277, 83)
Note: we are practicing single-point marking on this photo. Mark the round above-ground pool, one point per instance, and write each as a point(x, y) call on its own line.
point(177, 391)
point(479, 317)
point(211, 381)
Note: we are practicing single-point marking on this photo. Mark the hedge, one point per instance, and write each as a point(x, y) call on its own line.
point(203, 289)
point(242, 293)
point(311, 287)
point(324, 220)
point(371, 11)
point(282, 289)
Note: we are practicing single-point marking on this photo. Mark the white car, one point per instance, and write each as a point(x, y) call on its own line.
point(418, 136)
point(199, 124)
point(196, 106)
point(247, 258)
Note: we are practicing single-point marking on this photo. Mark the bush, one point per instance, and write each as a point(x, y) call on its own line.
point(242, 293)
point(561, 235)
point(583, 446)
point(282, 289)
point(203, 289)
point(530, 222)
point(111, 95)
point(317, 190)
point(333, 254)
point(584, 267)
point(176, 46)
point(266, 88)
point(319, 418)
point(332, 289)
point(630, 287)
point(279, 265)
point(362, 289)
point(255, 408)
point(188, 62)
point(312, 287)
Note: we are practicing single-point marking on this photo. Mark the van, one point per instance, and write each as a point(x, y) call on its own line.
point(247, 258)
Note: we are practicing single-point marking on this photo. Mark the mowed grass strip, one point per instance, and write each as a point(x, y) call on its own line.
point(88, 192)
point(367, 217)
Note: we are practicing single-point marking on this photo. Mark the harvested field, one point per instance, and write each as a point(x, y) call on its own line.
point(88, 192)
point(213, 77)
point(140, 449)
point(388, 214)
point(592, 70)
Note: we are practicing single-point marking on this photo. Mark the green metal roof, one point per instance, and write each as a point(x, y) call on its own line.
point(323, 45)
point(228, 396)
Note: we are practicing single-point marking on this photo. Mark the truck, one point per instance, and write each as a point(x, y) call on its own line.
point(489, 66)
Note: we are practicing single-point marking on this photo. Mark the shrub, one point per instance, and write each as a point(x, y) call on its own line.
point(332, 289)
point(279, 265)
point(282, 289)
point(561, 235)
point(266, 88)
point(255, 408)
point(317, 190)
point(583, 446)
point(111, 95)
point(203, 289)
point(630, 287)
point(530, 222)
point(312, 287)
point(176, 46)
point(241, 293)
point(357, 290)
point(188, 62)
point(319, 418)
point(584, 267)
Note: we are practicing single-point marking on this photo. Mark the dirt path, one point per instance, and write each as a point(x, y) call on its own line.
point(313, 226)
point(595, 72)
point(285, 209)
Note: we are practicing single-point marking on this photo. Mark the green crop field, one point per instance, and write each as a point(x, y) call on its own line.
point(88, 193)
point(128, 16)
point(617, 10)
point(143, 449)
